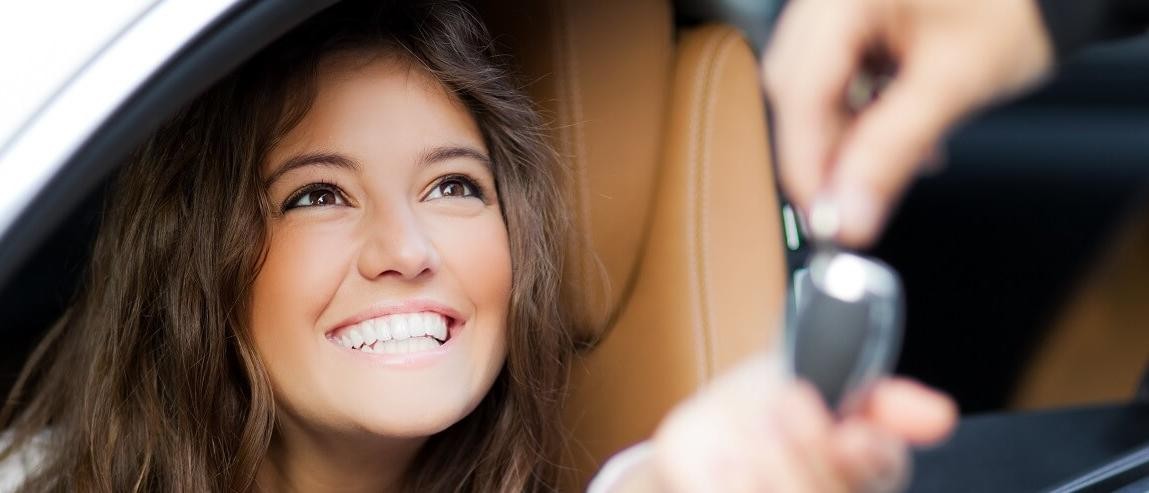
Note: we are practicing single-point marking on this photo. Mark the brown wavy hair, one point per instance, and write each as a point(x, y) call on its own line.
point(150, 381)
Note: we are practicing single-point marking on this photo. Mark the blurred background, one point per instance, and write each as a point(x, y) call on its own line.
point(1026, 262)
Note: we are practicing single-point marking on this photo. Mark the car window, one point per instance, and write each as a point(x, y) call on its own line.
point(40, 49)
point(85, 100)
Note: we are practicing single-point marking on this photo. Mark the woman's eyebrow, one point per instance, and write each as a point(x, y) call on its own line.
point(312, 159)
point(444, 153)
point(431, 156)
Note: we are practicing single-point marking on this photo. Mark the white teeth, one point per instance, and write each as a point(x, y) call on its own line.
point(413, 345)
point(382, 329)
point(398, 333)
point(399, 328)
point(368, 331)
point(415, 326)
point(390, 347)
point(419, 344)
point(437, 327)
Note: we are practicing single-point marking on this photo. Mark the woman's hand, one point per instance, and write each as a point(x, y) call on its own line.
point(755, 430)
point(952, 56)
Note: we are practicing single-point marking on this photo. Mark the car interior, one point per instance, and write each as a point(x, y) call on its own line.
point(1025, 262)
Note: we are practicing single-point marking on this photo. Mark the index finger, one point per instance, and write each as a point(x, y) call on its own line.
point(814, 52)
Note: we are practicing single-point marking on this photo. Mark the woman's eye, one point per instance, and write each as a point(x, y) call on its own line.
point(455, 186)
point(315, 196)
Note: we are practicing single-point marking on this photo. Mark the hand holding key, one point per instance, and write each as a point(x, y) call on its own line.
point(755, 429)
point(840, 426)
point(952, 57)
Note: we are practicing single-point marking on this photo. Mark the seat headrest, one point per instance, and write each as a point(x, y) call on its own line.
point(599, 69)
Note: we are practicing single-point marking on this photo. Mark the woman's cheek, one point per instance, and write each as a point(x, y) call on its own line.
point(304, 267)
point(479, 253)
point(476, 252)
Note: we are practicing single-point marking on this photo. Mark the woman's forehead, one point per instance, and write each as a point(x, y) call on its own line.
point(378, 100)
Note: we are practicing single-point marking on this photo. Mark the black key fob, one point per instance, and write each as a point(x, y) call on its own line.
point(844, 324)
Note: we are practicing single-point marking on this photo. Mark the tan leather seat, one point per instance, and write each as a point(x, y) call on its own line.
point(673, 188)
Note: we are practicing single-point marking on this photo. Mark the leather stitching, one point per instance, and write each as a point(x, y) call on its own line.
point(573, 135)
point(702, 78)
point(702, 171)
point(729, 42)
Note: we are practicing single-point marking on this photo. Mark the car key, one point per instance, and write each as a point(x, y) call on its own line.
point(844, 320)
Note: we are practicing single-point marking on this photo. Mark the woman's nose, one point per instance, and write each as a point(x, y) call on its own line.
point(396, 244)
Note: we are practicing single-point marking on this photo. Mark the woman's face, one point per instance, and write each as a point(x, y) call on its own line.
point(381, 307)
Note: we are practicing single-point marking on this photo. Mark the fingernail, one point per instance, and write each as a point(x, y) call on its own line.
point(859, 214)
point(825, 221)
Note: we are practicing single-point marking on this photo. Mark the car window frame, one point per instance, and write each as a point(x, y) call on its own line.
point(50, 168)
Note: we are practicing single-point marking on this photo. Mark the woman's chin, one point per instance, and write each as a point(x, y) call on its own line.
point(409, 426)
point(409, 419)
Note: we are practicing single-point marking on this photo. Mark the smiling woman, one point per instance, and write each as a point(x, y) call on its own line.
point(335, 270)
point(381, 306)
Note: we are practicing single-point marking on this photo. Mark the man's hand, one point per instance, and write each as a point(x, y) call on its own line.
point(952, 57)
point(753, 429)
